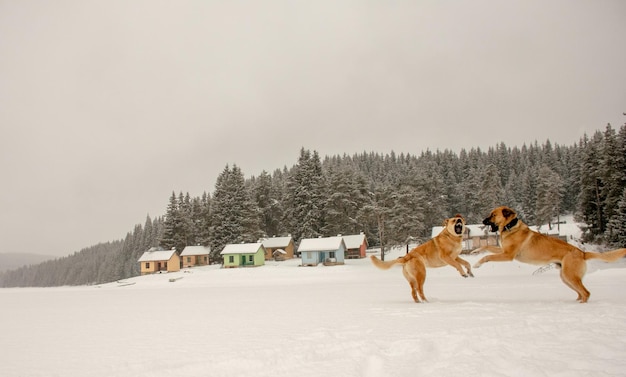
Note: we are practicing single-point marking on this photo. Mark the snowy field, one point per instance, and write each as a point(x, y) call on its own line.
point(351, 320)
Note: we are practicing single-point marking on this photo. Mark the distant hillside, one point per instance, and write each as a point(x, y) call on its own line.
point(11, 261)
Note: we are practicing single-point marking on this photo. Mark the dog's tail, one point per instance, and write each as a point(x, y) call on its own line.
point(385, 265)
point(609, 256)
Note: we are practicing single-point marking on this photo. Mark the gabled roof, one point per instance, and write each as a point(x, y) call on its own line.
point(156, 255)
point(321, 244)
point(242, 248)
point(195, 250)
point(276, 242)
point(354, 241)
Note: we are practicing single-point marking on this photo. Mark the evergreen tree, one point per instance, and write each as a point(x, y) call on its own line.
point(590, 200)
point(174, 232)
point(267, 200)
point(491, 192)
point(430, 197)
point(201, 216)
point(346, 193)
point(612, 171)
point(472, 204)
point(406, 216)
point(388, 196)
point(549, 193)
point(234, 218)
point(186, 216)
point(617, 225)
point(376, 213)
point(306, 189)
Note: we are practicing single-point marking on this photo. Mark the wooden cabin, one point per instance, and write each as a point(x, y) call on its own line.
point(356, 245)
point(278, 248)
point(243, 255)
point(153, 261)
point(328, 250)
point(195, 256)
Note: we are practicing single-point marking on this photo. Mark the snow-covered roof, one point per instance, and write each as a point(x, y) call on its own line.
point(156, 255)
point(320, 244)
point(275, 242)
point(477, 230)
point(195, 250)
point(241, 248)
point(354, 241)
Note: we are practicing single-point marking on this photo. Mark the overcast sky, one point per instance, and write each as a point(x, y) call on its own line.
point(106, 107)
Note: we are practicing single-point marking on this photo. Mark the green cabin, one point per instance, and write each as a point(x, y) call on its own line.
point(243, 255)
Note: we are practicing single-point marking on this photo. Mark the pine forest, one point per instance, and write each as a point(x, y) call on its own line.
point(391, 197)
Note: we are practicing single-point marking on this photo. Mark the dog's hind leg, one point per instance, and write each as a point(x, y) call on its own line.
point(572, 271)
point(420, 287)
point(415, 275)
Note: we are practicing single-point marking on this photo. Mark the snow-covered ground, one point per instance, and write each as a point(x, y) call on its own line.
point(351, 320)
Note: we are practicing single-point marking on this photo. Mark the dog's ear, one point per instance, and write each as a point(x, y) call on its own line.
point(445, 223)
point(508, 212)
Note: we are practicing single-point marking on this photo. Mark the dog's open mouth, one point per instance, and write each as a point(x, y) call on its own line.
point(494, 227)
point(458, 227)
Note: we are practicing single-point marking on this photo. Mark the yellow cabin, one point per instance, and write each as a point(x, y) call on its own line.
point(159, 261)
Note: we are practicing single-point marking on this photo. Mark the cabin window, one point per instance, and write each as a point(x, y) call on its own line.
point(231, 259)
point(188, 259)
point(308, 255)
point(147, 265)
point(332, 254)
point(251, 258)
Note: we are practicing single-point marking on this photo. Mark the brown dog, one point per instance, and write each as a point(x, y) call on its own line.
point(521, 243)
point(442, 250)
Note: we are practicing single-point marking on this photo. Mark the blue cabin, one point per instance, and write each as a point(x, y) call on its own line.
point(329, 250)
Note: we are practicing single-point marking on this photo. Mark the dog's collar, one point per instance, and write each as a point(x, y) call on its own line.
point(511, 224)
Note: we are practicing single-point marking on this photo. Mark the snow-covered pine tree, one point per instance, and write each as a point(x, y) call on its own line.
point(346, 193)
point(306, 189)
point(406, 216)
point(590, 200)
point(263, 194)
point(430, 197)
point(376, 214)
point(616, 228)
point(491, 193)
point(186, 218)
point(549, 193)
point(234, 218)
point(173, 227)
point(612, 172)
point(200, 220)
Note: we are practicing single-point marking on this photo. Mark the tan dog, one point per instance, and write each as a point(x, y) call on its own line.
point(442, 250)
point(521, 243)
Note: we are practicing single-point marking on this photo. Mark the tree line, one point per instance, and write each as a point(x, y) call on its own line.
point(390, 197)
